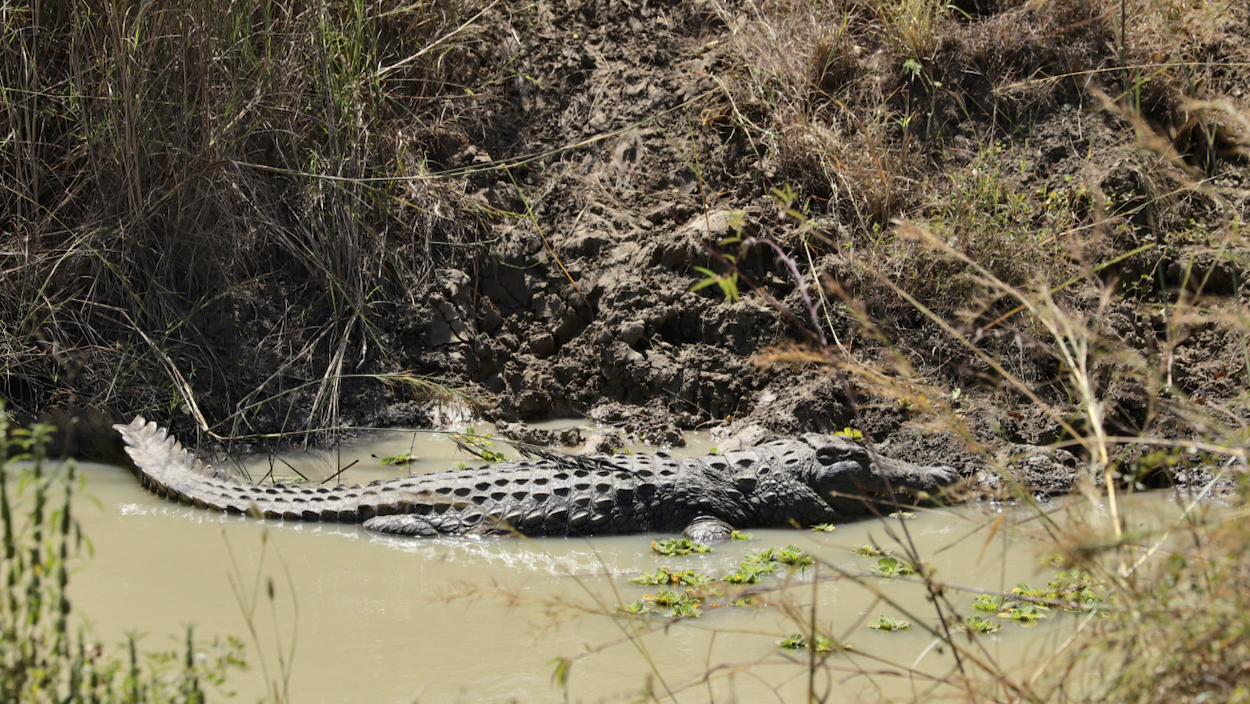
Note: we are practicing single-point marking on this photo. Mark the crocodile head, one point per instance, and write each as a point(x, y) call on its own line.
point(846, 477)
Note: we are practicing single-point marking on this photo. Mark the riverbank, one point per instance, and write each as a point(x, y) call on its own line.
point(959, 228)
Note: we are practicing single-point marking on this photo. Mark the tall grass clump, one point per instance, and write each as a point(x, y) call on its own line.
point(44, 654)
point(873, 108)
point(185, 177)
point(1173, 626)
point(860, 101)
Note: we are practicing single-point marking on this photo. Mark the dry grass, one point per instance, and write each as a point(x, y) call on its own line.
point(1170, 623)
point(874, 108)
point(1181, 631)
point(178, 169)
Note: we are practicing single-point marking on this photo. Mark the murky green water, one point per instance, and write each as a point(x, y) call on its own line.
point(399, 620)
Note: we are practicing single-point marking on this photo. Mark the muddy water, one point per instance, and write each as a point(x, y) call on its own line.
point(397, 620)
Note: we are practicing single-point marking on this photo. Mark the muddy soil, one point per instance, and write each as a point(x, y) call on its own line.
point(587, 309)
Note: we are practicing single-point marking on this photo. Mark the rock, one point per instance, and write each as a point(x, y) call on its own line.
point(1043, 471)
point(604, 441)
point(631, 332)
point(745, 436)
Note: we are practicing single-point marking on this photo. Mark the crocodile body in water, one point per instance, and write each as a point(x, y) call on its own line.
point(806, 481)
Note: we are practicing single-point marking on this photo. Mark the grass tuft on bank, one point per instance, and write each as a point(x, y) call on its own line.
point(198, 195)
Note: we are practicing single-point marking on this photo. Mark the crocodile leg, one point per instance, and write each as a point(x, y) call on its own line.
point(418, 526)
point(708, 530)
point(401, 524)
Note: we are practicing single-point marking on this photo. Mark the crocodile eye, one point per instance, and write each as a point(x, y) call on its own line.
point(828, 456)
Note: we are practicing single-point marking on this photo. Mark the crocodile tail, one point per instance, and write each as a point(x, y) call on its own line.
point(167, 469)
point(164, 466)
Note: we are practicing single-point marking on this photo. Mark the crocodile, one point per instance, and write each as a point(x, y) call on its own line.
point(795, 482)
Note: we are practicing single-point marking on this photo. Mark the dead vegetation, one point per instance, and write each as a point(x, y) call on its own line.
point(204, 206)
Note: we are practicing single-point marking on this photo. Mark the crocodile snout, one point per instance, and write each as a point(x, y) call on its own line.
point(944, 476)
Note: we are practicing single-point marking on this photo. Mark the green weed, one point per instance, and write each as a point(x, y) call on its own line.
point(977, 624)
point(892, 567)
point(666, 576)
point(851, 434)
point(676, 547)
point(887, 624)
point(820, 644)
point(44, 658)
point(398, 460)
point(479, 445)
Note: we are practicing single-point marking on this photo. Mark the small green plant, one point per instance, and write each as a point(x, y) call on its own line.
point(676, 547)
point(990, 603)
point(398, 460)
point(674, 605)
point(889, 623)
point(824, 528)
point(765, 556)
point(913, 68)
point(892, 567)
point(903, 515)
point(1026, 615)
point(728, 283)
point(869, 551)
point(664, 575)
point(665, 598)
point(636, 608)
point(1080, 591)
point(976, 624)
point(796, 641)
point(1024, 590)
point(792, 556)
point(686, 609)
point(851, 434)
point(480, 445)
point(819, 644)
point(754, 566)
point(751, 572)
point(739, 535)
